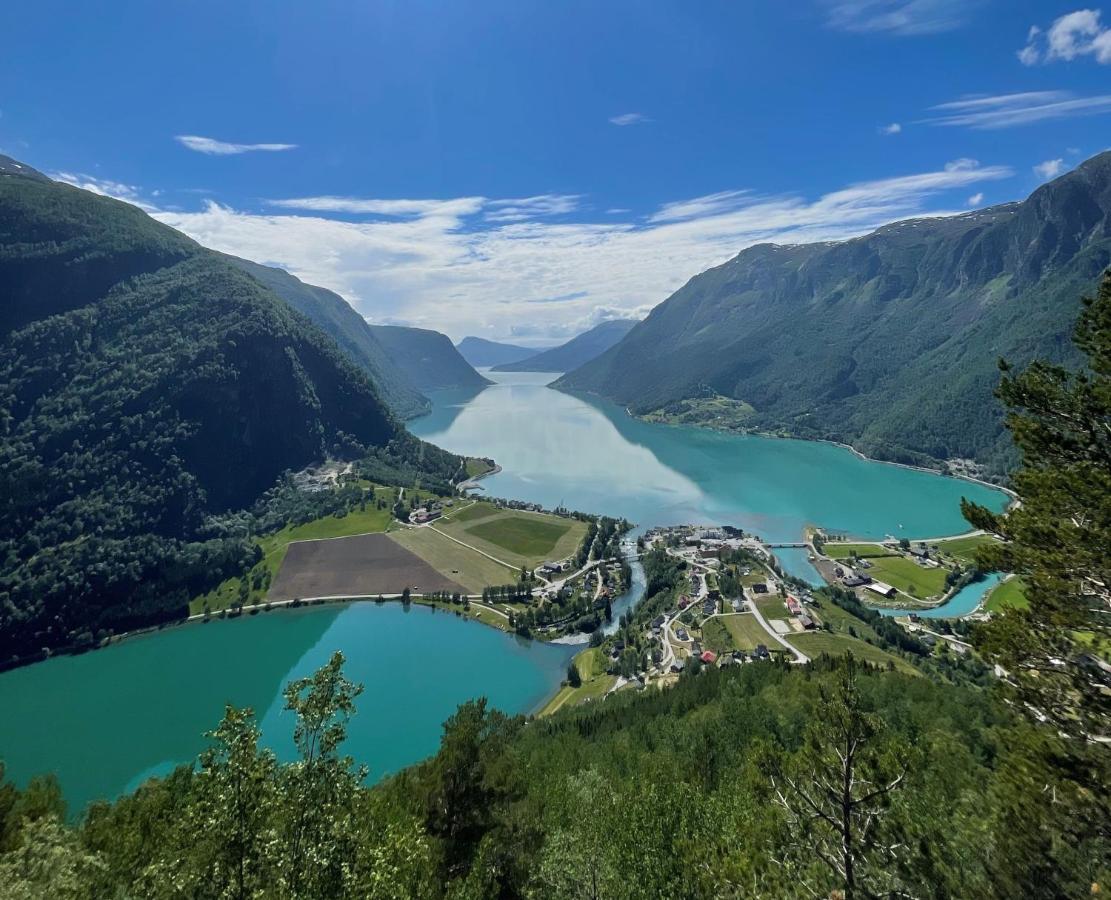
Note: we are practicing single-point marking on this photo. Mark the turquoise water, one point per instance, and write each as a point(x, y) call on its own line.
point(962, 603)
point(589, 455)
point(795, 561)
point(106, 720)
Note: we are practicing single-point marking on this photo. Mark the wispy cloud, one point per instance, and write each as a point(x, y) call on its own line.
point(454, 208)
point(214, 147)
point(630, 118)
point(893, 128)
point(1010, 110)
point(540, 206)
point(976, 199)
point(1051, 168)
point(900, 17)
point(443, 264)
point(699, 207)
point(1073, 35)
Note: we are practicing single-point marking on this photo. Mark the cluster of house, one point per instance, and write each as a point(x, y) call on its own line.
point(709, 658)
point(553, 568)
point(796, 610)
point(428, 513)
point(853, 578)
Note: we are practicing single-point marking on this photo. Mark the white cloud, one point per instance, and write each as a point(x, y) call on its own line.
point(460, 206)
point(1076, 34)
point(1010, 110)
point(900, 17)
point(106, 188)
point(893, 128)
point(1051, 168)
point(699, 207)
point(214, 147)
point(540, 206)
point(976, 199)
point(631, 118)
point(443, 264)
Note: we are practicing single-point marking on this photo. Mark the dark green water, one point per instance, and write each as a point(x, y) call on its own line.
point(106, 720)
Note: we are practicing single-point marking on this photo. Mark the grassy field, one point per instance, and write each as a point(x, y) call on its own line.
point(274, 547)
point(745, 631)
point(591, 664)
point(470, 513)
point(963, 549)
point(472, 570)
point(476, 467)
point(844, 551)
point(716, 636)
point(518, 537)
point(815, 643)
point(908, 577)
point(1009, 593)
point(772, 607)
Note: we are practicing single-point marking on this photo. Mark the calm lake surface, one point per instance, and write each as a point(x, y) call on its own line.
point(104, 721)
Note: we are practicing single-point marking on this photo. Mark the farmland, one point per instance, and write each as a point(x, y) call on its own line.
point(815, 643)
point(360, 565)
point(516, 537)
point(472, 570)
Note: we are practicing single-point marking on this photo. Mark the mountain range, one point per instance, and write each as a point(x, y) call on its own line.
point(887, 342)
point(426, 358)
point(149, 386)
point(481, 353)
point(576, 352)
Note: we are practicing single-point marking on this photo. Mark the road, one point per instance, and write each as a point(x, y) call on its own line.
point(799, 656)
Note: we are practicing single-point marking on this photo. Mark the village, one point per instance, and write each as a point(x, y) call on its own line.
point(735, 605)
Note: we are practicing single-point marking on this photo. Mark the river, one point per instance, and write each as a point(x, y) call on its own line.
point(106, 720)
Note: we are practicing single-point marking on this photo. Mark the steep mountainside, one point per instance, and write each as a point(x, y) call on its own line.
point(427, 358)
point(480, 352)
point(335, 317)
point(887, 341)
point(145, 383)
point(576, 352)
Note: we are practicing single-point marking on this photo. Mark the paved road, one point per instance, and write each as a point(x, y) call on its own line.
point(799, 656)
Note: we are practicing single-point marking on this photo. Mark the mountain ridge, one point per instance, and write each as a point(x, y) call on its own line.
point(480, 352)
point(877, 341)
point(576, 352)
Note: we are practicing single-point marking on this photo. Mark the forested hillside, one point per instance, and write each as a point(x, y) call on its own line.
point(576, 352)
point(427, 358)
point(887, 342)
point(336, 318)
point(145, 385)
point(480, 352)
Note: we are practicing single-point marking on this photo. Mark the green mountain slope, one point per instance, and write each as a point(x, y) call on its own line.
point(888, 341)
point(145, 384)
point(578, 351)
point(480, 352)
point(427, 358)
point(335, 317)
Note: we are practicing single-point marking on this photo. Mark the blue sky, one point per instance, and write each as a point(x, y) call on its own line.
point(524, 169)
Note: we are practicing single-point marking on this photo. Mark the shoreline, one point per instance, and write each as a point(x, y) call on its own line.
point(791, 437)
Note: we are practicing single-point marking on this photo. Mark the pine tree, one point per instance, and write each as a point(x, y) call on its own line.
point(1059, 538)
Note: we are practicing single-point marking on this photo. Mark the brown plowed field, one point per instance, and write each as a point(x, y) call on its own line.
point(363, 565)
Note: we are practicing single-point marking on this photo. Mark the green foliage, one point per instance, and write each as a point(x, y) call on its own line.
point(1057, 539)
point(426, 358)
